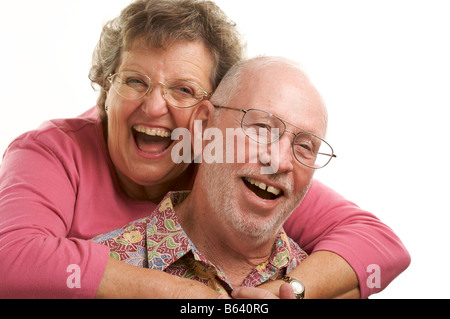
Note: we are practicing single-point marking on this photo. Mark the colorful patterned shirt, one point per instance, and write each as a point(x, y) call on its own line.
point(159, 242)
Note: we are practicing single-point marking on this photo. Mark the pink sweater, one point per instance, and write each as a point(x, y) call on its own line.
point(58, 189)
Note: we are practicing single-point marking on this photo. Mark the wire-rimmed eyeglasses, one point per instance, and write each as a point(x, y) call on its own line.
point(179, 93)
point(265, 128)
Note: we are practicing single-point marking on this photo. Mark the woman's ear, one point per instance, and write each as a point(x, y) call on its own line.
point(200, 118)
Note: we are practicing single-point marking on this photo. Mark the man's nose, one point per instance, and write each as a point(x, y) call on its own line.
point(279, 156)
point(155, 105)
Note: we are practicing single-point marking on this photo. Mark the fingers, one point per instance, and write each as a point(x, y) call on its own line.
point(286, 292)
point(252, 293)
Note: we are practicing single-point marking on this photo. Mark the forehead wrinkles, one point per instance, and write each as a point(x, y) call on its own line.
point(189, 59)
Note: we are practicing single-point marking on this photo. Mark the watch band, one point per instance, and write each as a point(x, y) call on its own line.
point(297, 285)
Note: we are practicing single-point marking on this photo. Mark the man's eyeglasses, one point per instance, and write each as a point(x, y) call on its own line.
point(266, 128)
point(133, 85)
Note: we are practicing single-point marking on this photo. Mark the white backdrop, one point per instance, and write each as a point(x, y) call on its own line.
point(382, 66)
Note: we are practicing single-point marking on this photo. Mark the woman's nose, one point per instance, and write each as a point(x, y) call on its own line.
point(155, 105)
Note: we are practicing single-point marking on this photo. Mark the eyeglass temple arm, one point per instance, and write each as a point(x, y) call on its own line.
point(331, 155)
point(228, 108)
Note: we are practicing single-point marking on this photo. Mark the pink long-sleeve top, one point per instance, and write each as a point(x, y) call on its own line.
point(58, 189)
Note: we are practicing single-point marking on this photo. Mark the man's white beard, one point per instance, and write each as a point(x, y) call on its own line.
point(245, 224)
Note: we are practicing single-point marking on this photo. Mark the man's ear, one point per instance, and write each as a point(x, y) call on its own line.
point(200, 118)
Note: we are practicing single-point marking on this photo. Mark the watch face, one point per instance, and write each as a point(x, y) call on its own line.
point(298, 287)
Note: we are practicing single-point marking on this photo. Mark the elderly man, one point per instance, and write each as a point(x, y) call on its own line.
point(227, 232)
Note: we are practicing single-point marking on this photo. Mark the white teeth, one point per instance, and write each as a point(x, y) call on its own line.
point(274, 190)
point(263, 186)
point(151, 131)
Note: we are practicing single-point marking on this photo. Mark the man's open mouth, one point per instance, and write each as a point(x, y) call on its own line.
point(151, 140)
point(261, 189)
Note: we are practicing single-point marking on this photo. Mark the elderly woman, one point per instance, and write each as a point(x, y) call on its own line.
point(73, 179)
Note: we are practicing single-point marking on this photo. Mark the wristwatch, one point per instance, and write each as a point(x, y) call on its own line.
point(299, 287)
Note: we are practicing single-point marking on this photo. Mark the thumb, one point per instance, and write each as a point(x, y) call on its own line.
point(286, 291)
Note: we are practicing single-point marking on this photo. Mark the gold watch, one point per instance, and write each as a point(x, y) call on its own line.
point(297, 285)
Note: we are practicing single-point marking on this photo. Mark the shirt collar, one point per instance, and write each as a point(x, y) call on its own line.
point(166, 240)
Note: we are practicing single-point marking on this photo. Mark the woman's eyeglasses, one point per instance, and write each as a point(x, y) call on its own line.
point(133, 85)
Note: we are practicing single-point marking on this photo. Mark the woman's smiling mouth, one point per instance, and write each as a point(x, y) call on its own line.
point(152, 140)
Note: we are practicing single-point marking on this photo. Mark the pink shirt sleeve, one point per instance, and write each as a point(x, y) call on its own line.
point(326, 221)
point(37, 199)
point(57, 191)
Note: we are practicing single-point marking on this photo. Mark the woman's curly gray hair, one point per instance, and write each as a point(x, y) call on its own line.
point(160, 23)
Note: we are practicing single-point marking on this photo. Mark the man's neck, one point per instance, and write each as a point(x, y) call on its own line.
point(235, 255)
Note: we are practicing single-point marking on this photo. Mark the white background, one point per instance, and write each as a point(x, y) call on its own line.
point(383, 68)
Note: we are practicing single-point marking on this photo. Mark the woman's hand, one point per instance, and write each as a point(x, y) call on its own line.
point(285, 292)
point(325, 275)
